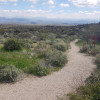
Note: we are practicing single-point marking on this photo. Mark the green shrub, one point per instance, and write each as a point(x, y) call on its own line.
point(43, 53)
point(53, 57)
point(41, 45)
point(98, 60)
point(94, 51)
point(60, 46)
point(9, 73)
point(57, 58)
point(12, 44)
point(39, 70)
point(88, 92)
point(94, 78)
point(42, 49)
point(84, 49)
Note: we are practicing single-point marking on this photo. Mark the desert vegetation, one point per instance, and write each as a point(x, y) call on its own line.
point(40, 50)
point(37, 50)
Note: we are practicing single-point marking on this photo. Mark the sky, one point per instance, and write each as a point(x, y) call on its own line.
point(52, 9)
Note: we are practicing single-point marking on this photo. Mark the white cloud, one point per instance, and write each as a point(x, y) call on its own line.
point(50, 3)
point(14, 4)
point(4, 1)
point(64, 5)
point(32, 6)
point(49, 14)
point(33, 1)
point(23, 13)
point(83, 3)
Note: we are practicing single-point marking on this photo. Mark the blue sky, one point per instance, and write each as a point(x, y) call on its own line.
point(58, 9)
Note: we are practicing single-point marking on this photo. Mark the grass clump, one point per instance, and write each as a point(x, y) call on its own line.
point(9, 73)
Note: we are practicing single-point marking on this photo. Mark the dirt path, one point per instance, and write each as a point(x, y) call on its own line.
point(72, 75)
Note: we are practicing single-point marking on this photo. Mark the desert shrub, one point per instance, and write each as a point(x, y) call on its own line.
point(57, 58)
point(42, 49)
point(94, 51)
point(12, 44)
point(39, 70)
point(43, 53)
point(84, 49)
point(9, 73)
point(98, 60)
point(27, 45)
point(60, 46)
point(53, 57)
point(25, 35)
point(41, 46)
point(88, 92)
point(94, 78)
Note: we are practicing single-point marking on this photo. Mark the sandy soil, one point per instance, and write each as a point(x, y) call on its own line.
point(66, 80)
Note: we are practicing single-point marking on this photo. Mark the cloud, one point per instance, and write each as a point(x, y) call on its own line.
point(33, 1)
point(48, 14)
point(83, 3)
point(5, 1)
point(64, 5)
point(32, 6)
point(23, 13)
point(50, 3)
point(14, 4)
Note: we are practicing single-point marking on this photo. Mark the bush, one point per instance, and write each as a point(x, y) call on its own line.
point(57, 58)
point(98, 60)
point(84, 49)
point(12, 44)
point(94, 51)
point(94, 78)
point(88, 92)
point(40, 71)
point(42, 49)
point(61, 47)
point(9, 73)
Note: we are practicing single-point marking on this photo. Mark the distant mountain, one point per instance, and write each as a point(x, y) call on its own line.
point(46, 21)
point(13, 20)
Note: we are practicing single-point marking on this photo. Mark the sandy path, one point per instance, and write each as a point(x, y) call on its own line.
point(73, 74)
